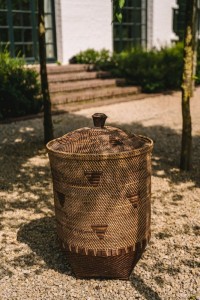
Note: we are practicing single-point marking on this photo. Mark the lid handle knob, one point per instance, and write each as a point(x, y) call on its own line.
point(99, 119)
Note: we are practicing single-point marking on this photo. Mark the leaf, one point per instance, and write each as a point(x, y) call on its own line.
point(119, 17)
point(121, 3)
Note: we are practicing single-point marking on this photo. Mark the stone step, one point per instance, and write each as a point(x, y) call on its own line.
point(74, 106)
point(83, 85)
point(63, 69)
point(93, 95)
point(68, 68)
point(77, 76)
point(80, 84)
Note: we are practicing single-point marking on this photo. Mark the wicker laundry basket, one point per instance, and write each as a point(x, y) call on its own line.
point(102, 190)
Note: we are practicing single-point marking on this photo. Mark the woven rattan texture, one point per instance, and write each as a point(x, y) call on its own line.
point(119, 266)
point(91, 140)
point(102, 194)
point(102, 205)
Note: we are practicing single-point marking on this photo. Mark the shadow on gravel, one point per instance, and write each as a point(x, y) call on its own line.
point(40, 236)
point(25, 175)
point(143, 289)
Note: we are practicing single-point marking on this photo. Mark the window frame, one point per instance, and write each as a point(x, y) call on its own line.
point(10, 26)
point(134, 40)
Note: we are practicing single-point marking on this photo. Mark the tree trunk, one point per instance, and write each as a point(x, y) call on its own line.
point(188, 83)
point(48, 125)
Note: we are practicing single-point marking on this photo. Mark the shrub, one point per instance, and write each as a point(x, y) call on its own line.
point(88, 56)
point(19, 88)
point(100, 59)
point(153, 70)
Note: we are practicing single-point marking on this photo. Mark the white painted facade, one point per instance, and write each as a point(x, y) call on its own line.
point(162, 22)
point(82, 25)
point(88, 24)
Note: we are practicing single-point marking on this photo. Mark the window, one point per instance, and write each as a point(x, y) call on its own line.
point(19, 28)
point(179, 19)
point(179, 16)
point(133, 29)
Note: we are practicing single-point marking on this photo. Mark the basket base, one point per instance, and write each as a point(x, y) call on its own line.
point(112, 267)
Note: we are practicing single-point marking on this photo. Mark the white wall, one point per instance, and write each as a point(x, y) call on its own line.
point(163, 22)
point(85, 24)
point(58, 30)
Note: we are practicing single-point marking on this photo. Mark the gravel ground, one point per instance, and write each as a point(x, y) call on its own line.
point(31, 263)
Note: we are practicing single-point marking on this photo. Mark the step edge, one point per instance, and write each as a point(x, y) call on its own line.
point(58, 102)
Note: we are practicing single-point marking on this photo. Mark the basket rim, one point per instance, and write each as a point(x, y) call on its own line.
point(93, 156)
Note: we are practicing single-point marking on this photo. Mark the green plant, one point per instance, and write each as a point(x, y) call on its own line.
point(19, 88)
point(89, 56)
point(100, 59)
point(153, 70)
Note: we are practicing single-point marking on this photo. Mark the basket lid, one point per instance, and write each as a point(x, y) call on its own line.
point(99, 139)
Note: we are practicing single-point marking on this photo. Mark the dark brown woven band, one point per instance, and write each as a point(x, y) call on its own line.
point(107, 252)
